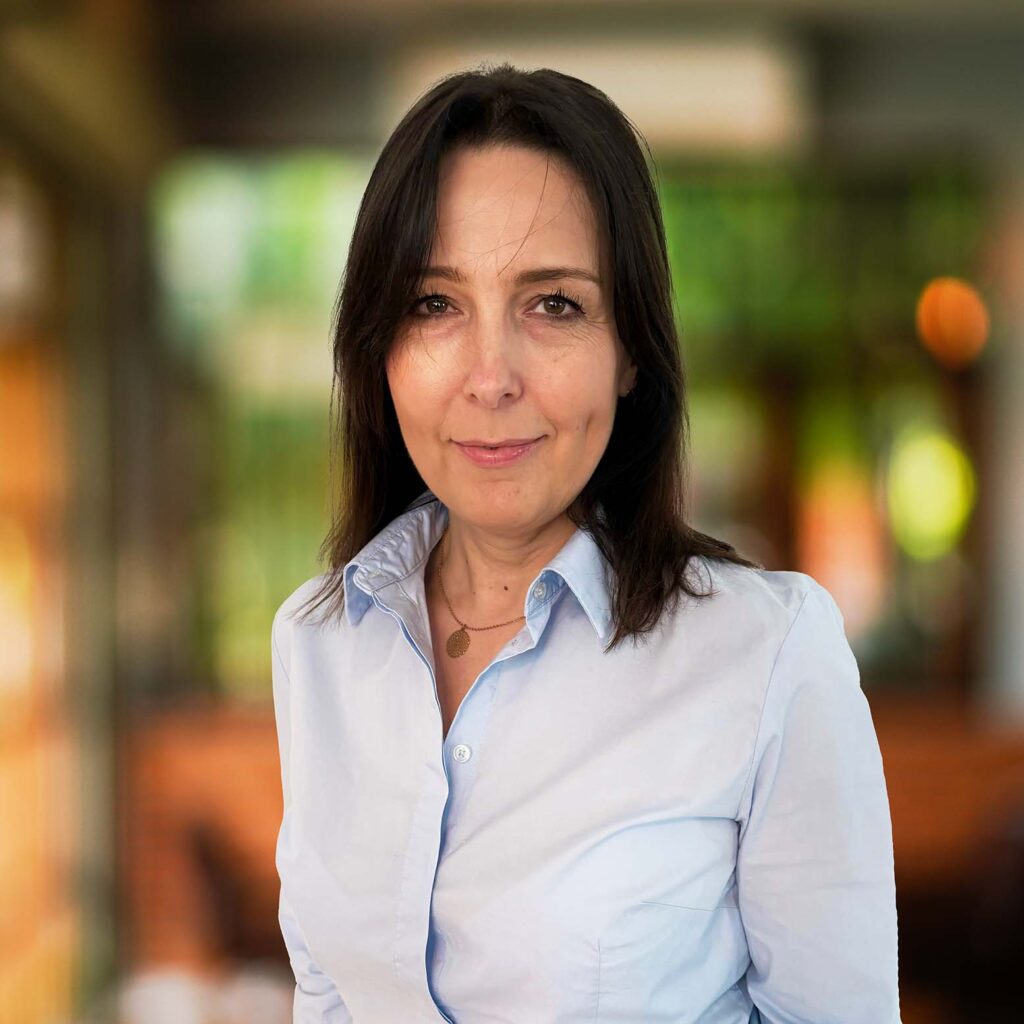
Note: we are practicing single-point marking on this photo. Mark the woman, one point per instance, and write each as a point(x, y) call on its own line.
point(497, 808)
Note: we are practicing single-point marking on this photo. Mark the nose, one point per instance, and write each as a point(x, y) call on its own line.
point(493, 370)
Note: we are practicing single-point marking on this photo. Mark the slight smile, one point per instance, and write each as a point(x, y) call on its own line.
point(501, 453)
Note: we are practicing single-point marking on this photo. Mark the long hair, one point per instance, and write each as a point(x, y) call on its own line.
point(635, 503)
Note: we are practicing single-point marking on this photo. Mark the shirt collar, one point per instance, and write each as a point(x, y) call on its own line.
point(404, 544)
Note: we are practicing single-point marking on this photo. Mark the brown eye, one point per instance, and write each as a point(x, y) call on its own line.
point(427, 300)
point(559, 298)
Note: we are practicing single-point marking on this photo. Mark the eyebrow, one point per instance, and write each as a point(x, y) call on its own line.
point(532, 276)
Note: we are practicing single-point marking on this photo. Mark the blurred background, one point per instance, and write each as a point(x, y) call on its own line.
point(843, 188)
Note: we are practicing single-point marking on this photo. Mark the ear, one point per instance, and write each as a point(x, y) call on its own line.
point(628, 381)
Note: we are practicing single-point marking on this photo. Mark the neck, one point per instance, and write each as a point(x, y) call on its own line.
point(485, 574)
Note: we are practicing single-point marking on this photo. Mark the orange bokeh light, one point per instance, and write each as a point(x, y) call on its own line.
point(952, 321)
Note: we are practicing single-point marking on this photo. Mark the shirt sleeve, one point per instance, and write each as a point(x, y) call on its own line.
point(317, 1000)
point(815, 876)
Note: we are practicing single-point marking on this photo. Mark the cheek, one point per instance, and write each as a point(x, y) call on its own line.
point(583, 402)
point(416, 389)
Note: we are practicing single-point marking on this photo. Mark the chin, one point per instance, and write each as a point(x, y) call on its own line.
point(500, 502)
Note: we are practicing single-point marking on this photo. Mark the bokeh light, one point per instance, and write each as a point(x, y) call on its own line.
point(931, 492)
point(952, 321)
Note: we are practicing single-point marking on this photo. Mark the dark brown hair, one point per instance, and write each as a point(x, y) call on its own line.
point(639, 489)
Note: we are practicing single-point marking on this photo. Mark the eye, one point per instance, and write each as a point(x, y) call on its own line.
point(557, 297)
point(429, 299)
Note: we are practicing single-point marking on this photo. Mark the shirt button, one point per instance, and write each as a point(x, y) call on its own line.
point(462, 752)
point(540, 590)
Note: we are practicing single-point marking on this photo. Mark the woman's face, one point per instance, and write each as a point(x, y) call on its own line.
point(496, 355)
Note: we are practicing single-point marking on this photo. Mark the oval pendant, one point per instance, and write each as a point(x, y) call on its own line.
point(458, 643)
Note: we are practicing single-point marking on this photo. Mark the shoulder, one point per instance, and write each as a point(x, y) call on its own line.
point(783, 624)
point(286, 619)
point(298, 597)
point(795, 623)
point(766, 600)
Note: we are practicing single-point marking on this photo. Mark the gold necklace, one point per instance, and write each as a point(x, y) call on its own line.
point(458, 642)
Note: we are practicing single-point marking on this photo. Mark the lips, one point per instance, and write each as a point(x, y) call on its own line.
point(502, 454)
point(512, 442)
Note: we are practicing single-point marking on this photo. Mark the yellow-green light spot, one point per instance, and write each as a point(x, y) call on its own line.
point(931, 492)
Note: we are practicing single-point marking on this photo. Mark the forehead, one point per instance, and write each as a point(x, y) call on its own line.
point(501, 206)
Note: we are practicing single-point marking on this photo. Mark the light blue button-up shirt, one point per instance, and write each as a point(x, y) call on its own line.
point(691, 829)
